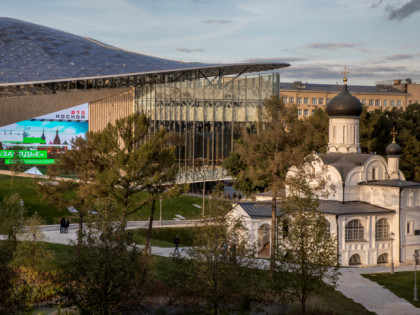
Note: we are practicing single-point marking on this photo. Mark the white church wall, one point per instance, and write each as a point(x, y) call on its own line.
point(370, 248)
point(409, 227)
point(385, 197)
point(375, 168)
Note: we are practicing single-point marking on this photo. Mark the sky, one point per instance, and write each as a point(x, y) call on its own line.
point(377, 40)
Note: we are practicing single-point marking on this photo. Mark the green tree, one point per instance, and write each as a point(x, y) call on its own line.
point(80, 161)
point(11, 214)
point(32, 251)
point(108, 274)
point(16, 164)
point(134, 161)
point(216, 268)
point(307, 252)
point(7, 277)
point(262, 159)
point(32, 259)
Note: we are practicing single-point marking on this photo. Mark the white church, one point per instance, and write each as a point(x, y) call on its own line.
point(374, 212)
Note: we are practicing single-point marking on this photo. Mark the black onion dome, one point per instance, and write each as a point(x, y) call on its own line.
point(344, 104)
point(393, 149)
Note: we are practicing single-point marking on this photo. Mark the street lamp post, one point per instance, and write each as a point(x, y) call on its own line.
point(416, 256)
point(392, 235)
point(160, 214)
point(21, 203)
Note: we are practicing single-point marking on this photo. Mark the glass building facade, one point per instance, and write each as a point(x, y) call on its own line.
point(208, 114)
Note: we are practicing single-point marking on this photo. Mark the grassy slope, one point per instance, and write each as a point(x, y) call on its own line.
point(399, 283)
point(26, 188)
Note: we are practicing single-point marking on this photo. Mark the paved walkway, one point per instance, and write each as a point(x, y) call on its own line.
point(371, 295)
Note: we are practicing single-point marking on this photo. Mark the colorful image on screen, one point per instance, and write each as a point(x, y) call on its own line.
point(50, 133)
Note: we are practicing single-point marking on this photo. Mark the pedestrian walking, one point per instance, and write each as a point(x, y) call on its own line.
point(62, 225)
point(176, 242)
point(66, 225)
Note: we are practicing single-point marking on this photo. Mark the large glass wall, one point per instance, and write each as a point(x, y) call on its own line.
point(208, 114)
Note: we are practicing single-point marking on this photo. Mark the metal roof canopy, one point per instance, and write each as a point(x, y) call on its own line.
point(34, 57)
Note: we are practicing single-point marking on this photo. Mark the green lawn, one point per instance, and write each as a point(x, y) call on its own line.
point(26, 187)
point(164, 237)
point(399, 283)
point(337, 303)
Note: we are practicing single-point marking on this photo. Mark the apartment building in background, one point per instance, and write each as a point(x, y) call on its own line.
point(384, 95)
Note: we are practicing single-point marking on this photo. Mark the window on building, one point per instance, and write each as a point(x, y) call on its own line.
point(355, 260)
point(354, 231)
point(410, 102)
point(385, 103)
point(306, 100)
point(399, 103)
point(306, 112)
point(299, 100)
point(364, 101)
point(381, 229)
point(291, 100)
point(284, 99)
point(416, 232)
point(320, 101)
point(382, 259)
point(377, 102)
point(327, 226)
point(370, 102)
point(392, 103)
point(314, 101)
point(410, 228)
point(299, 112)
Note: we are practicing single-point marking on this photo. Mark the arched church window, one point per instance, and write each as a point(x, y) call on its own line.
point(354, 231)
point(382, 259)
point(355, 260)
point(381, 229)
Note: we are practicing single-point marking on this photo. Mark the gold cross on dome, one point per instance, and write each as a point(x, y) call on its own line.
point(393, 133)
point(344, 73)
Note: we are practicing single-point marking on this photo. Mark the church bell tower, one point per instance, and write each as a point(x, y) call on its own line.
point(344, 114)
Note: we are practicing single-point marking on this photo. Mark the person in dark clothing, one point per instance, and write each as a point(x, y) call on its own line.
point(62, 225)
point(66, 225)
point(176, 242)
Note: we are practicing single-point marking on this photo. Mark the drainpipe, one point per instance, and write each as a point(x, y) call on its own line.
point(338, 239)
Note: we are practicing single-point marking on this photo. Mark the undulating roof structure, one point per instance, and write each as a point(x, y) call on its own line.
point(31, 53)
point(43, 70)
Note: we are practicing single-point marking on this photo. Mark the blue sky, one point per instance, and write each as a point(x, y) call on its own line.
point(376, 39)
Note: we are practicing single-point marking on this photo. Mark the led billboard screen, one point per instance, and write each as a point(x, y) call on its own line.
point(37, 140)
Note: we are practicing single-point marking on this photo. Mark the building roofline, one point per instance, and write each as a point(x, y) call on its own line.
point(209, 71)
